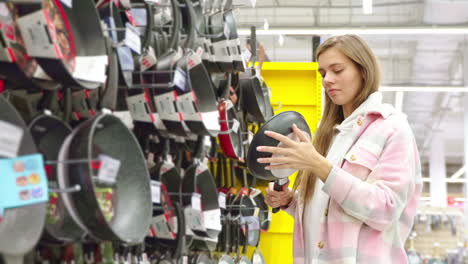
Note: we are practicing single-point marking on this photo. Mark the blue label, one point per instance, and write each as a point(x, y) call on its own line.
point(23, 181)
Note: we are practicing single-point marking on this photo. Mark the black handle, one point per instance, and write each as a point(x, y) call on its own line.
point(277, 188)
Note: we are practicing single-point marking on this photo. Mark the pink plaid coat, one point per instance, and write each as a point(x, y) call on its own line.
point(373, 195)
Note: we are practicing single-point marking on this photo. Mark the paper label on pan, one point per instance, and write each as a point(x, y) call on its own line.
point(24, 182)
point(138, 108)
point(235, 125)
point(222, 200)
point(283, 173)
point(109, 168)
point(148, 60)
point(41, 74)
point(212, 219)
point(35, 32)
point(221, 51)
point(193, 60)
point(211, 120)
point(91, 68)
point(156, 192)
point(158, 122)
point(200, 51)
point(10, 139)
point(180, 78)
point(161, 227)
point(68, 3)
point(125, 58)
point(194, 219)
point(186, 106)
point(165, 104)
point(132, 38)
point(196, 201)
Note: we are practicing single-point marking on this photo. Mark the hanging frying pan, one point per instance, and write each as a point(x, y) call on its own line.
point(219, 41)
point(15, 63)
point(48, 133)
point(198, 179)
point(103, 208)
point(233, 39)
point(69, 46)
point(282, 124)
point(203, 40)
point(266, 95)
point(21, 227)
point(197, 103)
point(253, 101)
point(231, 136)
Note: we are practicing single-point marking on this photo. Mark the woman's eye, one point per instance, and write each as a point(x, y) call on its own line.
point(338, 71)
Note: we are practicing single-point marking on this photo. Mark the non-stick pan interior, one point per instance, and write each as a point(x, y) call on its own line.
point(132, 207)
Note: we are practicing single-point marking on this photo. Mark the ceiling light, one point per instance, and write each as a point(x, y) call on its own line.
point(281, 40)
point(428, 30)
point(367, 7)
point(266, 26)
point(434, 89)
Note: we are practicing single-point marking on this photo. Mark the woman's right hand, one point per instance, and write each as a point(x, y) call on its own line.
point(276, 199)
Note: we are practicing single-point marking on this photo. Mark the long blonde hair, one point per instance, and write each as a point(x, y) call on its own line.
point(359, 52)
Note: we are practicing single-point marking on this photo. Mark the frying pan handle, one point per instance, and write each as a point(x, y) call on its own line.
point(253, 45)
point(278, 187)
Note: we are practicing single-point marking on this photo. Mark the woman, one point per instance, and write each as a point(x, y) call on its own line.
point(356, 195)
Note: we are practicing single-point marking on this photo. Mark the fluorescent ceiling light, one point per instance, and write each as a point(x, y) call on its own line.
point(459, 173)
point(436, 89)
point(428, 30)
point(367, 7)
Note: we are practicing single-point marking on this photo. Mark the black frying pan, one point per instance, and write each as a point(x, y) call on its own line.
point(107, 135)
point(282, 124)
point(20, 228)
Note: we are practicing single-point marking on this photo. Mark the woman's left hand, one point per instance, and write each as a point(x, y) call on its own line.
point(300, 155)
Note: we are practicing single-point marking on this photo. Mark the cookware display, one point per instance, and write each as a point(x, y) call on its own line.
point(132, 106)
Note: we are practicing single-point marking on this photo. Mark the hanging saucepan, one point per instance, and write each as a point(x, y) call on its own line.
point(110, 151)
point(253, 101)
point(15, 63)
point(198, 179)
point(282, 124)
point(21, 227)
point(197, 101)
point(68, 45)
point(203, 40)
point(48, 133)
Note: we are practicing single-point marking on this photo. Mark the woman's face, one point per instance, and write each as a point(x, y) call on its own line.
point(342, 79)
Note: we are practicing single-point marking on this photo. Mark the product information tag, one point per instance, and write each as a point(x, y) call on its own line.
point(156, 192)
point(10, 139)
point(132, 38)
point(109, 168)
point(161, 227)
point(212, 219)
point(222, 200)
point(148, 60)
point(91, 68)
point(196, 201)
point(180, 79)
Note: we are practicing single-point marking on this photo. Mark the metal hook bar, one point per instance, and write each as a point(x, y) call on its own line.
point(72, 161)
point(73, 189)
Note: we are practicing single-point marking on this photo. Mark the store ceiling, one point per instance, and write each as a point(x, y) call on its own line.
point(406, 60)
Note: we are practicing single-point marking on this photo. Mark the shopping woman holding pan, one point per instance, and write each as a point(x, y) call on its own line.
point(356, 195)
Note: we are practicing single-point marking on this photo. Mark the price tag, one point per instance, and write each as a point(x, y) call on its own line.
point(148, 60)
point(91, 68)
point(109, 168)
point(222, 200)
point(24, 182)
point(10, 139)
point(138, 108)
point(185, 260)
point(194, 219)
point(193, 60)
point(212, 219)
point(132, 38)
point(156, 192)
point(166, 107)
point(180, 78)
point(235, 125)
point(125, 58)
point(36, 35)
point(200, 51)
point(68, 3)
point(196, 201)
point(185, 105)
point(161, 227)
